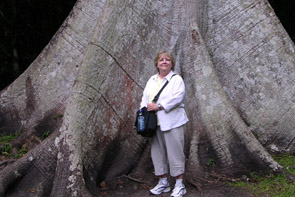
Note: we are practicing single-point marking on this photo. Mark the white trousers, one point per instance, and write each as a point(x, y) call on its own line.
point(167, 151)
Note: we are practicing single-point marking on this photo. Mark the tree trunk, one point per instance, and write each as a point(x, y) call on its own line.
point(247, 42)
point(96, 66)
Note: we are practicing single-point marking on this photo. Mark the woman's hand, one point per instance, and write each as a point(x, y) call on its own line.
point(152, 107)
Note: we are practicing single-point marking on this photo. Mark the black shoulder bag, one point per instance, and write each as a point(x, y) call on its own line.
point(150, 117)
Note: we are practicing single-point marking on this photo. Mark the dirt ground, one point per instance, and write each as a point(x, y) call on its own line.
point(125, 187)
point(133, 189)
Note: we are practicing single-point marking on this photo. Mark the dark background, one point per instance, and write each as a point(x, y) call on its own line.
point(26, 26)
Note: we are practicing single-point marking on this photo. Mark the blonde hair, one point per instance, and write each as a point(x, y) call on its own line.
point(168, 55)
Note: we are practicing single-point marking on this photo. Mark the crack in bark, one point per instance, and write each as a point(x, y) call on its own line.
point(117, 62)
point(290, 144)
point(72, 44)
point(252, 50)
point(84, 95)
point(239, 13)
point(115, 112)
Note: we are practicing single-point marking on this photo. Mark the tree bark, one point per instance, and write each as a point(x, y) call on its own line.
point(247, 41)
point(95, 68)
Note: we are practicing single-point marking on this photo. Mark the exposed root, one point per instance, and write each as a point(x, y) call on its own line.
point(221, 177)
point(7, 162)
point(40, 162)
point(221, 121)
point(136, 180)
point(253, 146)
point(118, 181)
point(133, 179)
point(197, 185)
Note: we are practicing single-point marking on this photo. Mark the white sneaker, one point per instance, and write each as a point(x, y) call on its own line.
point(160, 188)
point(179, 191)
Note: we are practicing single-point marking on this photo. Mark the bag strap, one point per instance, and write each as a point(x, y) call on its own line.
point(160, 91)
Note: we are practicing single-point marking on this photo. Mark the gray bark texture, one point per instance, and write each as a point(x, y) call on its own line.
point(235, 57)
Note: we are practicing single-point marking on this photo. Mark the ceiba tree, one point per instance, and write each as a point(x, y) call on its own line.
point(235, 57)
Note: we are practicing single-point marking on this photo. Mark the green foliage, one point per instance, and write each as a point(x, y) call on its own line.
point(45, 134)
point(5, 139)
point(22, 151)
point(8, 151)
point(211, 163)
point(5, 144)
point(6, 148)
point(8, 138)
point(287, 161)
point(256, 135)
point(272, 185)
point(254, 175)
point(58, 116)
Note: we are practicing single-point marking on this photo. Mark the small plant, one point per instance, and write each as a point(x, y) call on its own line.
point(45, 134)
point(256, 136)
point(211, 163)
point(22, 151)
point(6, 150)
point(254, 175)
point(58, 116)
point(8, 138)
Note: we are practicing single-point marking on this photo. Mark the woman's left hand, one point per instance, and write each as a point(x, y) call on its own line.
point(152, 107)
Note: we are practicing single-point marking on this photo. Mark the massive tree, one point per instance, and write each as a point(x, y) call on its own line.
point(237, 62)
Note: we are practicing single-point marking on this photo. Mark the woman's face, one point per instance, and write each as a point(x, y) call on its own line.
point(164, 64)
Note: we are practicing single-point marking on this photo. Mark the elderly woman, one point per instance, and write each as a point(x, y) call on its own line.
point(168, 142)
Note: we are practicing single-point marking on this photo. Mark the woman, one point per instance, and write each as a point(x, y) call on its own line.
point(168, 142)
